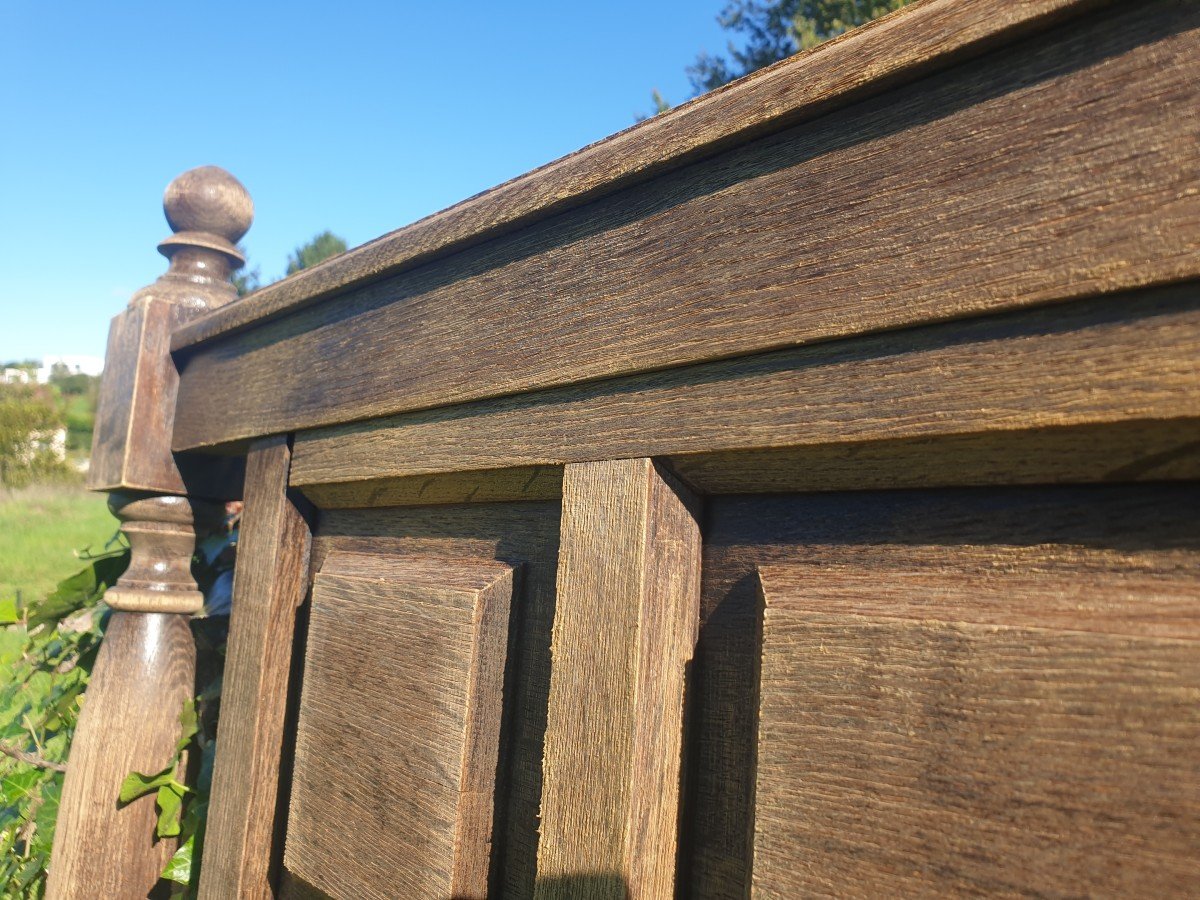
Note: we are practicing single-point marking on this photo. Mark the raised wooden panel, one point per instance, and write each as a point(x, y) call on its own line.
point(1055, 170)
point(397, 750)
point(521, 535)
point(978, 730)
point(1142, 542)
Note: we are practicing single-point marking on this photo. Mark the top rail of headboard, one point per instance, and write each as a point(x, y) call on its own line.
point(912, 42)
point(1055, 168)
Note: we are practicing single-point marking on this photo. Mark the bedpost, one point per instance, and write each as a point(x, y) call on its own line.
point(145, 670)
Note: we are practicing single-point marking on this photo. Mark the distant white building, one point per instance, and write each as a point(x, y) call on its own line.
point(75, 365)
point(16, 376)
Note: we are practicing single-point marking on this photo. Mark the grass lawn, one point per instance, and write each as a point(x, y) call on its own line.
point(41, 529)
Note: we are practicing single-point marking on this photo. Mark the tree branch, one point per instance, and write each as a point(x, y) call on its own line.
point(31, 759)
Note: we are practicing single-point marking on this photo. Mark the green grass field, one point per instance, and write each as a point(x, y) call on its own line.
point(41, 530)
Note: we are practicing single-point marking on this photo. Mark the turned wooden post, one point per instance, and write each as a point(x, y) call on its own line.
point(146, 666)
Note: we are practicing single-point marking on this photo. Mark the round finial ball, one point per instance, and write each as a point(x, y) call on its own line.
point(209, 199)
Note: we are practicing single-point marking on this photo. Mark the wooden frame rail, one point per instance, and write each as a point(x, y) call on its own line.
point(578, 440)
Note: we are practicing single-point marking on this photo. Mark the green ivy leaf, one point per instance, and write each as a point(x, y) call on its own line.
point(81, 589)
point(9, 614)
point(179, 868)
point(190, 723)
point(170, 803)
point(137, 784)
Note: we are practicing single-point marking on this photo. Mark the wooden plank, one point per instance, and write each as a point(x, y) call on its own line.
point(916, 41)
point(1108, 360)
point(408, 732)
point(1132, 450)
point(517, 483)
point(923, 732)
point(244, 839)
point(1002, 183)
point(523, 535)
point(1128, 536)
point(624, 629)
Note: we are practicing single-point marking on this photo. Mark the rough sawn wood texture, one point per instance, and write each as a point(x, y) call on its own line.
point(983, 188)
point(925, 36)
point(243, 843)
point(968, 731)
point(624, 629)
point(398, 744)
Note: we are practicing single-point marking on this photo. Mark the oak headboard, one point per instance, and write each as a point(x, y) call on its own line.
point(793, 494)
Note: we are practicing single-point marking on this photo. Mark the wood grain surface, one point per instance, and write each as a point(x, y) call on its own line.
point(1114, 359)
point(1143, 540)
point(1056, 170)
point(1131, 450)
point(135, 411)
point(920, 39)
point(243, 844)
point(129, 722)
point(525, 537)
point(972, 731)
point(624, 630)
point(400, 742)
point(496, 485)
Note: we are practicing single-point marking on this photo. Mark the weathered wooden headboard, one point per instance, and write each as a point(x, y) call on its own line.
point(794, 494)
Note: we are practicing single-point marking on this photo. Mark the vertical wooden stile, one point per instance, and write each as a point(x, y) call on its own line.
point(244, 839)
point(624, 631)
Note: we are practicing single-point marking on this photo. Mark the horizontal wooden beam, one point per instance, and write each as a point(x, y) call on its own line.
point(913, 42)
point(984, 188)
point(1129, 359)
point(1127, 451)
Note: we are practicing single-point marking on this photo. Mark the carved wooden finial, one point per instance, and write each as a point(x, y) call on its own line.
point(209, 211)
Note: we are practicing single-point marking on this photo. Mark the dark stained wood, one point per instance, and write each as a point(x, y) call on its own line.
point(400, 741)
point(517, 483)
point(525, 537)
point(1118, 536)
point(985, 188)
point(162, 531)
point(129, 722)
point(244, 839)
point(1146, 450)
point(922, 731)
point(1020, 371)
point(209, 211)
point(624, 631)
point(918, 40)
point(145, 671)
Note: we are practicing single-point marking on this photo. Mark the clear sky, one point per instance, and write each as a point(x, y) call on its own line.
point(355, 116)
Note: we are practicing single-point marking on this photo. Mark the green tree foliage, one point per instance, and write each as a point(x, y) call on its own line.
point(78, 394)
point(29, 416)
point(773, 30)
point(246, 280)
point(319, 249)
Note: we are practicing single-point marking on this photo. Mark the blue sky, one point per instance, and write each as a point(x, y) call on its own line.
point(358, 117)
